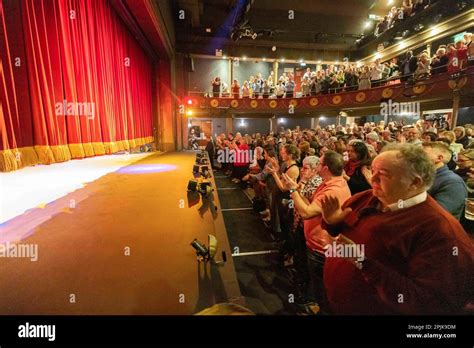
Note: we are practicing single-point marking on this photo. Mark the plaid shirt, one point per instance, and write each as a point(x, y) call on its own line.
point(307, 192)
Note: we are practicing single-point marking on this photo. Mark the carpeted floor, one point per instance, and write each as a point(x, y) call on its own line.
point(82, 265)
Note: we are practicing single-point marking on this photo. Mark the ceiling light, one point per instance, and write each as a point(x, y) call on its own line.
point(390, 2)
point(264, 59)
point(282, 60)
point(274, 48)
point(208, 30)
point(244, 58)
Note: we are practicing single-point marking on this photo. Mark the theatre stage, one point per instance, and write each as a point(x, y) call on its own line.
point(119, 245)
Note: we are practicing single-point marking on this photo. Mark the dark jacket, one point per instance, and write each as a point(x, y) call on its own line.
point(450, 191)
point(357, 182)
point(464, 141)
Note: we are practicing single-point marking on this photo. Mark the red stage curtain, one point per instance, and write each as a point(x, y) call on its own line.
point(84, 87)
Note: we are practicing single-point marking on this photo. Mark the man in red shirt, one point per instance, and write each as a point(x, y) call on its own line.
point(317, 239)
point(417, 257)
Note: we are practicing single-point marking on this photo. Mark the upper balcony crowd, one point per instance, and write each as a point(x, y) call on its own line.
point(409, 8)
point(451, 58)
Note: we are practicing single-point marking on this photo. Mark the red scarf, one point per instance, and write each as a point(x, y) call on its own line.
point(351, 167)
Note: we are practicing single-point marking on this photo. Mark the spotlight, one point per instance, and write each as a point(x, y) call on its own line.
point(201, 158)
point(201, 250)
point(205, 253)
point(204, 187)
point(201, 171)
point(202, 161)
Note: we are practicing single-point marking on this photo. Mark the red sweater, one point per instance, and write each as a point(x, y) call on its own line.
point(419, 261)
point(242, 156)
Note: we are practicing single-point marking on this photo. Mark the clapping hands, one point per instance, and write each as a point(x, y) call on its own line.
point(332, 212)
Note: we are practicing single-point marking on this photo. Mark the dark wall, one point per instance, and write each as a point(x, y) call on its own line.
point(291, 123)
point(205, 70)
point(466, 115)
point(252, 125)
point(251, 68)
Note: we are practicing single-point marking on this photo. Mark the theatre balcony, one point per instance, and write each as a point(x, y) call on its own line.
point(439, 91)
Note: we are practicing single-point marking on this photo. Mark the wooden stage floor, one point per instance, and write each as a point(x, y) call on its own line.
point(123, 249)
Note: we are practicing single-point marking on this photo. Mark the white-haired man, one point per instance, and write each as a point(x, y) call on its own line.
point(417, 259)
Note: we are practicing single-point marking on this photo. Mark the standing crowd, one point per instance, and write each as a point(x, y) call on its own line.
point(451, 58)
point(390, 199)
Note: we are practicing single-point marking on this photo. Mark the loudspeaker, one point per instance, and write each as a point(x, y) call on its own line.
point(189, 64)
